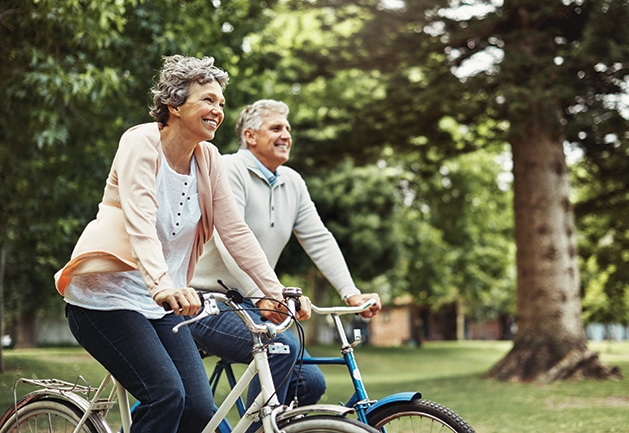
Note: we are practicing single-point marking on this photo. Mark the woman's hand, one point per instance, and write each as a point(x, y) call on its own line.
point(269, 310)
point(183, 300)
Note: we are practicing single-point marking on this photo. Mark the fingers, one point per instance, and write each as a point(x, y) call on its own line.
point(305, 309)
point(183, 301)
point(276, 312)
point(273, 315)
point(359, 299)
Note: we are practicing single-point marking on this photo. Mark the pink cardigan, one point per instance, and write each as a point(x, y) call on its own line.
point(123, 236)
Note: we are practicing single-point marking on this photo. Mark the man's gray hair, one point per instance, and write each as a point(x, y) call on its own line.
point(176, 76)
point(251, 117)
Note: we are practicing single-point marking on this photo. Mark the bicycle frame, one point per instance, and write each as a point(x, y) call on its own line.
point(93, 408)
point(359, 400)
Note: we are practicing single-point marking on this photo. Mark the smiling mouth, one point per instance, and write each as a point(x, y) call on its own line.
point(211, 122)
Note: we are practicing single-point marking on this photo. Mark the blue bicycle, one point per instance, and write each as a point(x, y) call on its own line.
point(405, 412)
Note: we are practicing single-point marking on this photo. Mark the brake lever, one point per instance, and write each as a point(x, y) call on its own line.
point(210, 308)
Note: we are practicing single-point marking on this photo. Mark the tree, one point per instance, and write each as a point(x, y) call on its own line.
point(556, 68)
point(55, 70)
point(458, 238)
point(359, 206)
point(331, 122)
point(601, 205)
point(75, 74)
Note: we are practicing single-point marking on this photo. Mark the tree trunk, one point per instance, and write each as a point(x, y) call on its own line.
point(460, 320)
point(3, 258)
point(550, 341)
point(25, 331)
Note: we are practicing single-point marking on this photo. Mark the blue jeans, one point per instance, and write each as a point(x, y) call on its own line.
point(227, 337)
point(161, 369)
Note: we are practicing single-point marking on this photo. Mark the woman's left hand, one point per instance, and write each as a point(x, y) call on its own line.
point(182, 300)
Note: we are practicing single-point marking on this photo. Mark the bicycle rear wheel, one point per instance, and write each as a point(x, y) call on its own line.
point(49, 416)
point(325, 424)
point(417, 416)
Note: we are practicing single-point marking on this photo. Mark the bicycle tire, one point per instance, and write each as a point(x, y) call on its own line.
point(325, 424)
point(417, 415)
point(49, 415)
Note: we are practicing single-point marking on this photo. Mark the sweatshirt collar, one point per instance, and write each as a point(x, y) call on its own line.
point(268, 174)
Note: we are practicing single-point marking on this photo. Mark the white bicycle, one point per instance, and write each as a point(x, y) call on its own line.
point(59, 406)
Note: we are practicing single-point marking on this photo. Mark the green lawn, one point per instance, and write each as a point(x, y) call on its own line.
point(446, 372)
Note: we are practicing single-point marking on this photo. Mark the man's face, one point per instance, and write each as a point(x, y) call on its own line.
point(272, 142)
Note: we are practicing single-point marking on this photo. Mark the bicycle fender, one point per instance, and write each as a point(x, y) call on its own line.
point(393, 398)
point(316, 409)
point(69, 397)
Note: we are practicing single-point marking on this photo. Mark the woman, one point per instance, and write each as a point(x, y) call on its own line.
point(164, 195)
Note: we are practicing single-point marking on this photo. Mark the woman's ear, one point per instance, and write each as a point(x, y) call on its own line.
point(174, 111)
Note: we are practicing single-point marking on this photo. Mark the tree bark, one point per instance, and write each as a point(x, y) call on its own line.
point(3, 257)
point(550, 341)
point(25, 331)
point(460, 319)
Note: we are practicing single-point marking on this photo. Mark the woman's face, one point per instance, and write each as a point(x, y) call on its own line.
point(202, 113)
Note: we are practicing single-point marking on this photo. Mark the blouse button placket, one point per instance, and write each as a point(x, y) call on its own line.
point(184, 192)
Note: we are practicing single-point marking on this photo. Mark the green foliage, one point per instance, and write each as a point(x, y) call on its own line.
point(55, 75)
point(380, 84)
point(457, 226)
point(558, 65)
point(604, 241)
point(358, 205)
point(75, 75)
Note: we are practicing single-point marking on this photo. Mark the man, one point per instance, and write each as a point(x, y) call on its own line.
point(275, 202)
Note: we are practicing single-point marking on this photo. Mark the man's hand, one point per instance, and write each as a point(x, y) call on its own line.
point(361, 298)
point(183, 300)
point(269, 308)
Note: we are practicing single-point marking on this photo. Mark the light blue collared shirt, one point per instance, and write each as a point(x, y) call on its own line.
point(270, 176)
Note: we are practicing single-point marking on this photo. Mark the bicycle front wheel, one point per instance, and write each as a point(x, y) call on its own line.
point(417, 416)
point(48, 416)
point(325, 424)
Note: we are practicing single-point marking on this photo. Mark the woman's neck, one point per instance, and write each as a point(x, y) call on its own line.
point(178, 153)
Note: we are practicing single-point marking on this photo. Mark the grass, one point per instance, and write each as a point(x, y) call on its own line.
point(446, 372)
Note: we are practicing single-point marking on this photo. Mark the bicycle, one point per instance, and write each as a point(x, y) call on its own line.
point(57, 406)
point(400, 412)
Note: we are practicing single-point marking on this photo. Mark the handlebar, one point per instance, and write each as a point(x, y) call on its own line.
point(291, 295)
point(345, 309)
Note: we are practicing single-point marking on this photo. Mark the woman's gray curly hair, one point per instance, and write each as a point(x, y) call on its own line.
point(251, 117)
point(176, 76)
